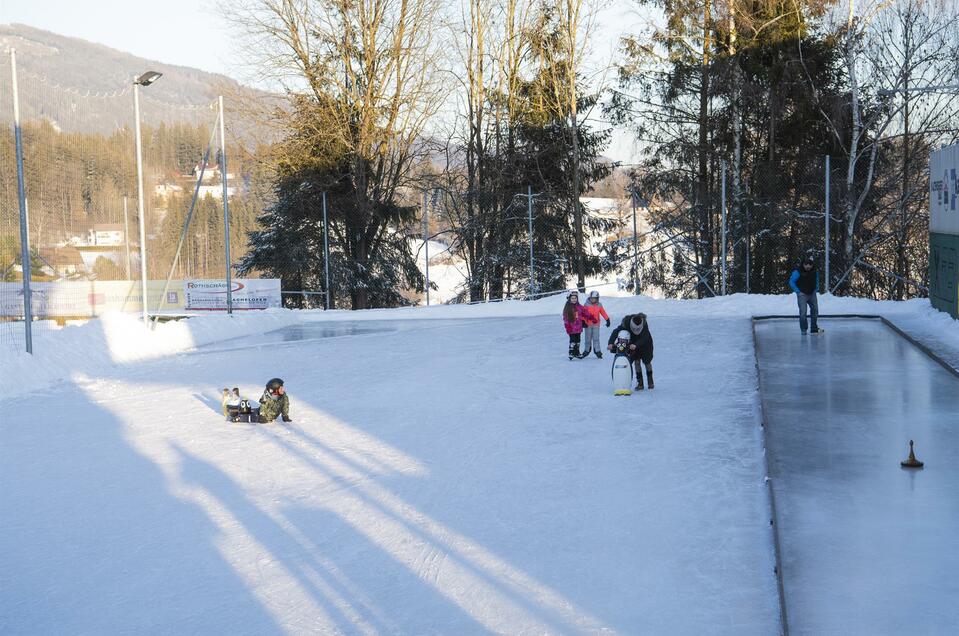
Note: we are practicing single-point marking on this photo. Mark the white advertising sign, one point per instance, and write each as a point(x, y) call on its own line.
point(88, 298)
point(943, 186)
point(248, 293)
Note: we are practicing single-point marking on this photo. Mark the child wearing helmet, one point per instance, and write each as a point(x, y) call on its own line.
point(594, 310)
point(274, 402)
point(574, 317)
point(640, 347)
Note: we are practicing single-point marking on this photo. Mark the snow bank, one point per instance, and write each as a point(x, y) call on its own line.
point(120, 338)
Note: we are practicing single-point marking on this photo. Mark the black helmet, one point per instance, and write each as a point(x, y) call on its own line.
point(811, 260)
point(274, 384)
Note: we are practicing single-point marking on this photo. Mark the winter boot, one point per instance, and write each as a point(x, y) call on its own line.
point(639, 378)
point(599, 354)
point(649, 378)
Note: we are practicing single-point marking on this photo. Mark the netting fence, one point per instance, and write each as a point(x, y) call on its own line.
point(673, 233)
point(81, 204)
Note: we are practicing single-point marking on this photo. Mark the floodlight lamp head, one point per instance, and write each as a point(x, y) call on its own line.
point(148, 78)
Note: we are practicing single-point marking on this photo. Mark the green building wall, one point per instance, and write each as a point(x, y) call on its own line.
point(944, 272)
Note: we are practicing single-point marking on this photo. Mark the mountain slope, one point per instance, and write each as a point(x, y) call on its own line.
point(55, 68)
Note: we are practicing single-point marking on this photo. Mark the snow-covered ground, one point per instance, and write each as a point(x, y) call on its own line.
point(455, 475)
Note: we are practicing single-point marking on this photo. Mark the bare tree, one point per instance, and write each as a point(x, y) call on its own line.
point(888, 45)
point(364, 73)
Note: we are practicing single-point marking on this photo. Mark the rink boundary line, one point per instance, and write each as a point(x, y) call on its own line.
point(916, 343)
point(773, 516)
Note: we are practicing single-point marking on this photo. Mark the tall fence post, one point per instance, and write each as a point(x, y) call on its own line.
point(749, 241)
point(426, 245)
point(723, 247)
point(326, 254)
point(24, 218)
point(226, 215)
point(126, 235)
point(529, 210)
point(633, 197)
point(827, 219)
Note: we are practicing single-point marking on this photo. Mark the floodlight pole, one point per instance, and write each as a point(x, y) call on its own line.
point(140, 206)
point(226, 214)
point(24, 218)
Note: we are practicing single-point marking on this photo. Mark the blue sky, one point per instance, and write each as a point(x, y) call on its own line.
point(193, 33)
point(187, 32)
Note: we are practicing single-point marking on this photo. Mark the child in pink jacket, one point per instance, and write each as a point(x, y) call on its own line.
point(574, 316)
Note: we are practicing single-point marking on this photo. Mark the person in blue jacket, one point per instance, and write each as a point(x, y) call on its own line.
point(805, 282)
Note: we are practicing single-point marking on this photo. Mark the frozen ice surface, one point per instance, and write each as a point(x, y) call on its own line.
point(438, 479)
point(867, 547)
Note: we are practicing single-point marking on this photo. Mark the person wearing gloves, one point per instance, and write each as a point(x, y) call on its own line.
point(594, 311)
point(640, 347)
point(805, 282)
point(274, 402)
point(574, 317)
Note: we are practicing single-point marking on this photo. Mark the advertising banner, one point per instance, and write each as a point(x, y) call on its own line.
point(92, 298)
point(943, 186)
point(248, 293)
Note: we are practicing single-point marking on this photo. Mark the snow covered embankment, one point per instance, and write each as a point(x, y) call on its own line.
point(119, 338)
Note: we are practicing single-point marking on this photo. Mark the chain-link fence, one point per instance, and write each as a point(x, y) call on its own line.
point(744, 231)
point(82, 207)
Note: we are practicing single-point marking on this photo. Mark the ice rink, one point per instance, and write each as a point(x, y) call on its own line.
point(867, 546)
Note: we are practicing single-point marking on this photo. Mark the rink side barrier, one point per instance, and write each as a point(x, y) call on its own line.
point(773, 517)
point(925, 349)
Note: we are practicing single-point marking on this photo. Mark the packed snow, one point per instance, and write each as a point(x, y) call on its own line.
point(448, 471)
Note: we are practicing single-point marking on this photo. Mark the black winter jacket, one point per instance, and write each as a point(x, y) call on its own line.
point(643, 341)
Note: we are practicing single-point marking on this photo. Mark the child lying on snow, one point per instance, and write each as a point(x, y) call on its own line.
point(274, 402)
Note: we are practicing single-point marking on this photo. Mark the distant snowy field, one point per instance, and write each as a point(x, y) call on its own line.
point(448, 471)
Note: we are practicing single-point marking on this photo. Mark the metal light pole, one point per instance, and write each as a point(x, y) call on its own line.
point(226, 215)
point(144, 80)
point(24, 218)
point(426, 246)
point(529, 210)
point(126, 235)
point(326, 254)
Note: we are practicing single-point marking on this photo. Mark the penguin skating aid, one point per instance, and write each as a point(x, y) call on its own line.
point(622, 371)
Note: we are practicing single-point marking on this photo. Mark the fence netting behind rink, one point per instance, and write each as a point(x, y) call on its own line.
point(81, 196)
